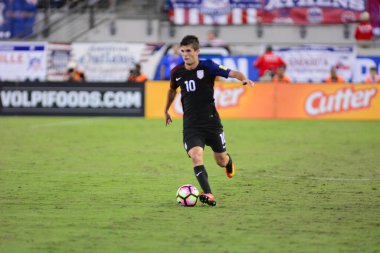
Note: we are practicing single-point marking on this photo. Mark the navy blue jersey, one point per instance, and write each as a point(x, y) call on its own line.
point(197, 93)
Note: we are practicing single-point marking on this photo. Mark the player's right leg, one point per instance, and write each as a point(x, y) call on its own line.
point(194, 144)
point(196, 155)
point(207, 198)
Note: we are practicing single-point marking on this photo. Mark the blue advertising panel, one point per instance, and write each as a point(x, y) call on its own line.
point(363, 64)
point(241, 63)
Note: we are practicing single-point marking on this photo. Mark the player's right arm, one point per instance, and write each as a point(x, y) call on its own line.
point(171, 92)
point(169, 101)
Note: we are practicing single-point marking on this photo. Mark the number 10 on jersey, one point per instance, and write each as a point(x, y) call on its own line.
point(190, 85)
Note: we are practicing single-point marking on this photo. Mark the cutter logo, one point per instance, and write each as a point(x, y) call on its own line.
point(343, 100)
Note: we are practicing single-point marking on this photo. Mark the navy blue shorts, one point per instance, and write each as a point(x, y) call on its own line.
point(199, 137)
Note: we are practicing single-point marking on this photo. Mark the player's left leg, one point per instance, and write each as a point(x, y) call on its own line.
point(216, 140)
point(224, 160)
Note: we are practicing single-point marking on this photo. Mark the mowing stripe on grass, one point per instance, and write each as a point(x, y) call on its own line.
point(319, 178)
point(68, 122)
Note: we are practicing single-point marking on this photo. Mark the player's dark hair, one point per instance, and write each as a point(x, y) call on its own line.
point(190, 40)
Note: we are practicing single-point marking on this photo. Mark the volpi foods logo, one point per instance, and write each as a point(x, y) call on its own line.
point(343, 100)
point(224, 98)
point(70, 99)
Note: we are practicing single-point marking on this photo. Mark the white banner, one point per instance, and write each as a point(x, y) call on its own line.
point(105, 62)
point(23, 61)
point(312, 63)
point(58, 61)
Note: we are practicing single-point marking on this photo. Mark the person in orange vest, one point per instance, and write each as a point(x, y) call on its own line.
point(135, 75)
point(280, 76)
point(334, 78)
point(73, 74)
point(373, 77)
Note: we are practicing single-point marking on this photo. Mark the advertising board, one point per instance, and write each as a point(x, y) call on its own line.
point(72, 99)
point(278, 101)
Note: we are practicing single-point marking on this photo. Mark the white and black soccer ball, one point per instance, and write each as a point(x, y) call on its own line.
point(187, 195)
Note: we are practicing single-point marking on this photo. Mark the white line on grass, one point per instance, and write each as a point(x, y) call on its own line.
point(67, 122)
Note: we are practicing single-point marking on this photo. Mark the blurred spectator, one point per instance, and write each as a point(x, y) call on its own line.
point(364, 31)
point(334, 78)
point(267, 64)
point(280, 76)
point(170, 61)
point(213, 40)
point(135, 75)
point(373, 77)
point(73, 74)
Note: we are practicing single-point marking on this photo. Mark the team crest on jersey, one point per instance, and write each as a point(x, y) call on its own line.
point(200, 74)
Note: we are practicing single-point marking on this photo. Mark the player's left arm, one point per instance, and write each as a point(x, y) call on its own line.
point(220, 70)
point(240, 76)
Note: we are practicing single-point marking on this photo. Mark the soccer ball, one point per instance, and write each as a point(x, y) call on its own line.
point(187, 195)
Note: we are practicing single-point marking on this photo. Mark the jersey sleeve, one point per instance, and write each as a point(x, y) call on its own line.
point(217, 70)
point(173, 83)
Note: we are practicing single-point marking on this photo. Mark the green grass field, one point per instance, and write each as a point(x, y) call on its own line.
point(108, 185)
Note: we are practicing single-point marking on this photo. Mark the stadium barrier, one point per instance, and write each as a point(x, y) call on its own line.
point(278, 101)
point(265, 100)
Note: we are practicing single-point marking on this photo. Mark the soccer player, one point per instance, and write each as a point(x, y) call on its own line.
point(201, 123)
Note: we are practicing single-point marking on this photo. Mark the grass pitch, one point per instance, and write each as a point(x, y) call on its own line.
point(109, 184)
